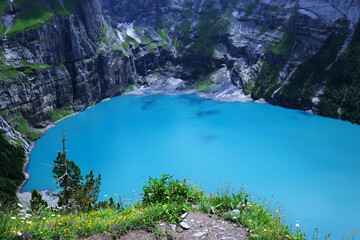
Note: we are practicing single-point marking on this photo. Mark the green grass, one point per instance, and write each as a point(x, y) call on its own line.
point(152, 47)
point(131, 40)
point(20, 124)
point(33, 15)
point(163, 34)
point(204, 83)
point(125, 46)
point(58, 114)
point(129, 88)
point(8, 73)
point(164, 199)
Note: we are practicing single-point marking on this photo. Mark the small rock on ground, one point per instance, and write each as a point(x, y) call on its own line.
point(204, 227)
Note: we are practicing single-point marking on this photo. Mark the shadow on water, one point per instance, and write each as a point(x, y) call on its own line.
point(148, 102)
point(191, 100)
point(207, 113)
point(207, 138)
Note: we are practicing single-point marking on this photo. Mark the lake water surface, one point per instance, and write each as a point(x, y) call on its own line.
point(309, 165)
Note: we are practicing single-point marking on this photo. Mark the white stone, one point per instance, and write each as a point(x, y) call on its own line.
point(199, 234)
point(184, 225)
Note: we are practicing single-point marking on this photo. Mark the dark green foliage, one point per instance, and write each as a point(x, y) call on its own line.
point(212, 24)
point(283, 47)
point(3, 5)
point(341, 98)
point(36, 202)
point(85, 195)
point(163, 34)
point(167, 190)
point(299, 92)
point(57, 8)
point(131, 40)
point(267, 78)
point(68, 176)
point(75, 194)
point(12, 160)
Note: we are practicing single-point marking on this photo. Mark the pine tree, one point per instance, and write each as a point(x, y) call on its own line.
point(67, 175)
point(75, 193)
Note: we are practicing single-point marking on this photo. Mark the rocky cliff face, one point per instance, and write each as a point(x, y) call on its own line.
point(72, 54)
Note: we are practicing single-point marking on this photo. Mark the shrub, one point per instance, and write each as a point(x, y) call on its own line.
point(36, 202)
point(167, 190)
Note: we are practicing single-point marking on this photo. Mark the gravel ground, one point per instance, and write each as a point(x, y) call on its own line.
point(195, 226)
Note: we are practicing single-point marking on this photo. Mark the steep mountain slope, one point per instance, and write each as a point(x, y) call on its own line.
point(60, 56)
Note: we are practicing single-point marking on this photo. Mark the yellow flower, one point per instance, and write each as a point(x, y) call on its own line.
point(276, 211)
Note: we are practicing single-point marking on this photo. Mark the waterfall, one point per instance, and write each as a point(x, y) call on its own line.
point(11, 5)
point(193, 25)
point(13, 134)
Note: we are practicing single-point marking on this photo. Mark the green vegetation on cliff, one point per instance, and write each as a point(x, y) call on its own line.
point(12, 159)
point(32, 16)
point(341, 97)
point(311, 74)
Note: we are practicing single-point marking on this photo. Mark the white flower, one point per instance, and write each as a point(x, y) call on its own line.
point(22, 218)
point(265, 230)
point(29, 222)
point(58, 215)
point(20, 205)
point(53, 215)
point(297, 225)
point(19, 233)
point(44, 218)
point(13, 218)
point(27, 215)
point(60, 223)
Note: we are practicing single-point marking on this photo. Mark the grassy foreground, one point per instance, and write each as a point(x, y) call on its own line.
point(164, 199)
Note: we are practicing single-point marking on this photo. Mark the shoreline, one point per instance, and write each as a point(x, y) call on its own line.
point(219, 96)
point(32, 145)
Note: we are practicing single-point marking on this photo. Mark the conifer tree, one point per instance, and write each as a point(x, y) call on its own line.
point(75, 193)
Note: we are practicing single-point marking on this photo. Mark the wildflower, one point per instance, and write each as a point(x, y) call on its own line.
point(105, 195)
point(19, 204)
point(29, 222)
point(44, 218)
point(58, 215)
point(265, 230)
point(297, 225)
point(13, 218)
point(53, 215)
point(276, 211)
point(19, 233)
point(210, 194)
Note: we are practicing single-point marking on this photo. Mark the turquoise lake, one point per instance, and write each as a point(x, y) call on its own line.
point(308, 165)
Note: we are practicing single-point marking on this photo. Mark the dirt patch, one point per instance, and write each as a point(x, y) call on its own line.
point(138, 235)
point(98, 237)
point(202, 226)
point(195, 226)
